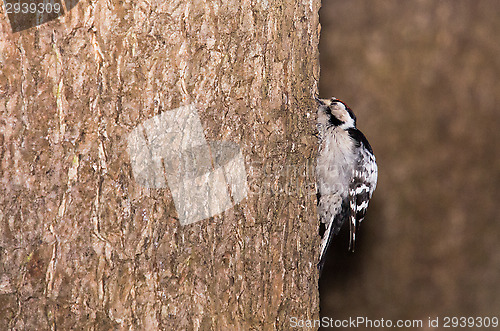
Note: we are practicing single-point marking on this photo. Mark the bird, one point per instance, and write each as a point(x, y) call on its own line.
point(346, 172)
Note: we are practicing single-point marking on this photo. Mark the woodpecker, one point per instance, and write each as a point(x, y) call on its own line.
point(346, 172)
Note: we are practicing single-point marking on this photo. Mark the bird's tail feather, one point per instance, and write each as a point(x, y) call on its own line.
point(325, 242)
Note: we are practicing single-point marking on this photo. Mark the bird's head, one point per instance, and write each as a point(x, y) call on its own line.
point(334, 112)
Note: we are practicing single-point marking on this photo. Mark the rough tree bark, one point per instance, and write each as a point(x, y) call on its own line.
point(82, 244)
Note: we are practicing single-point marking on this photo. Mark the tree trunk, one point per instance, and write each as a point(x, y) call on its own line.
point(84, 243)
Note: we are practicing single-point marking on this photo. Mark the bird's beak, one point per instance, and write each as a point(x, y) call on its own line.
point(318, 100)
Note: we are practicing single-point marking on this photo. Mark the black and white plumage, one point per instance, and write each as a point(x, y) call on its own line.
point(346, 172)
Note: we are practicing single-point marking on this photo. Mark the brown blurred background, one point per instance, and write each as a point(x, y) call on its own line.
point(423, 80)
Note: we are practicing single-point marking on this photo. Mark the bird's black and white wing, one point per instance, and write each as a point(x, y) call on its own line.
point(363, 183)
